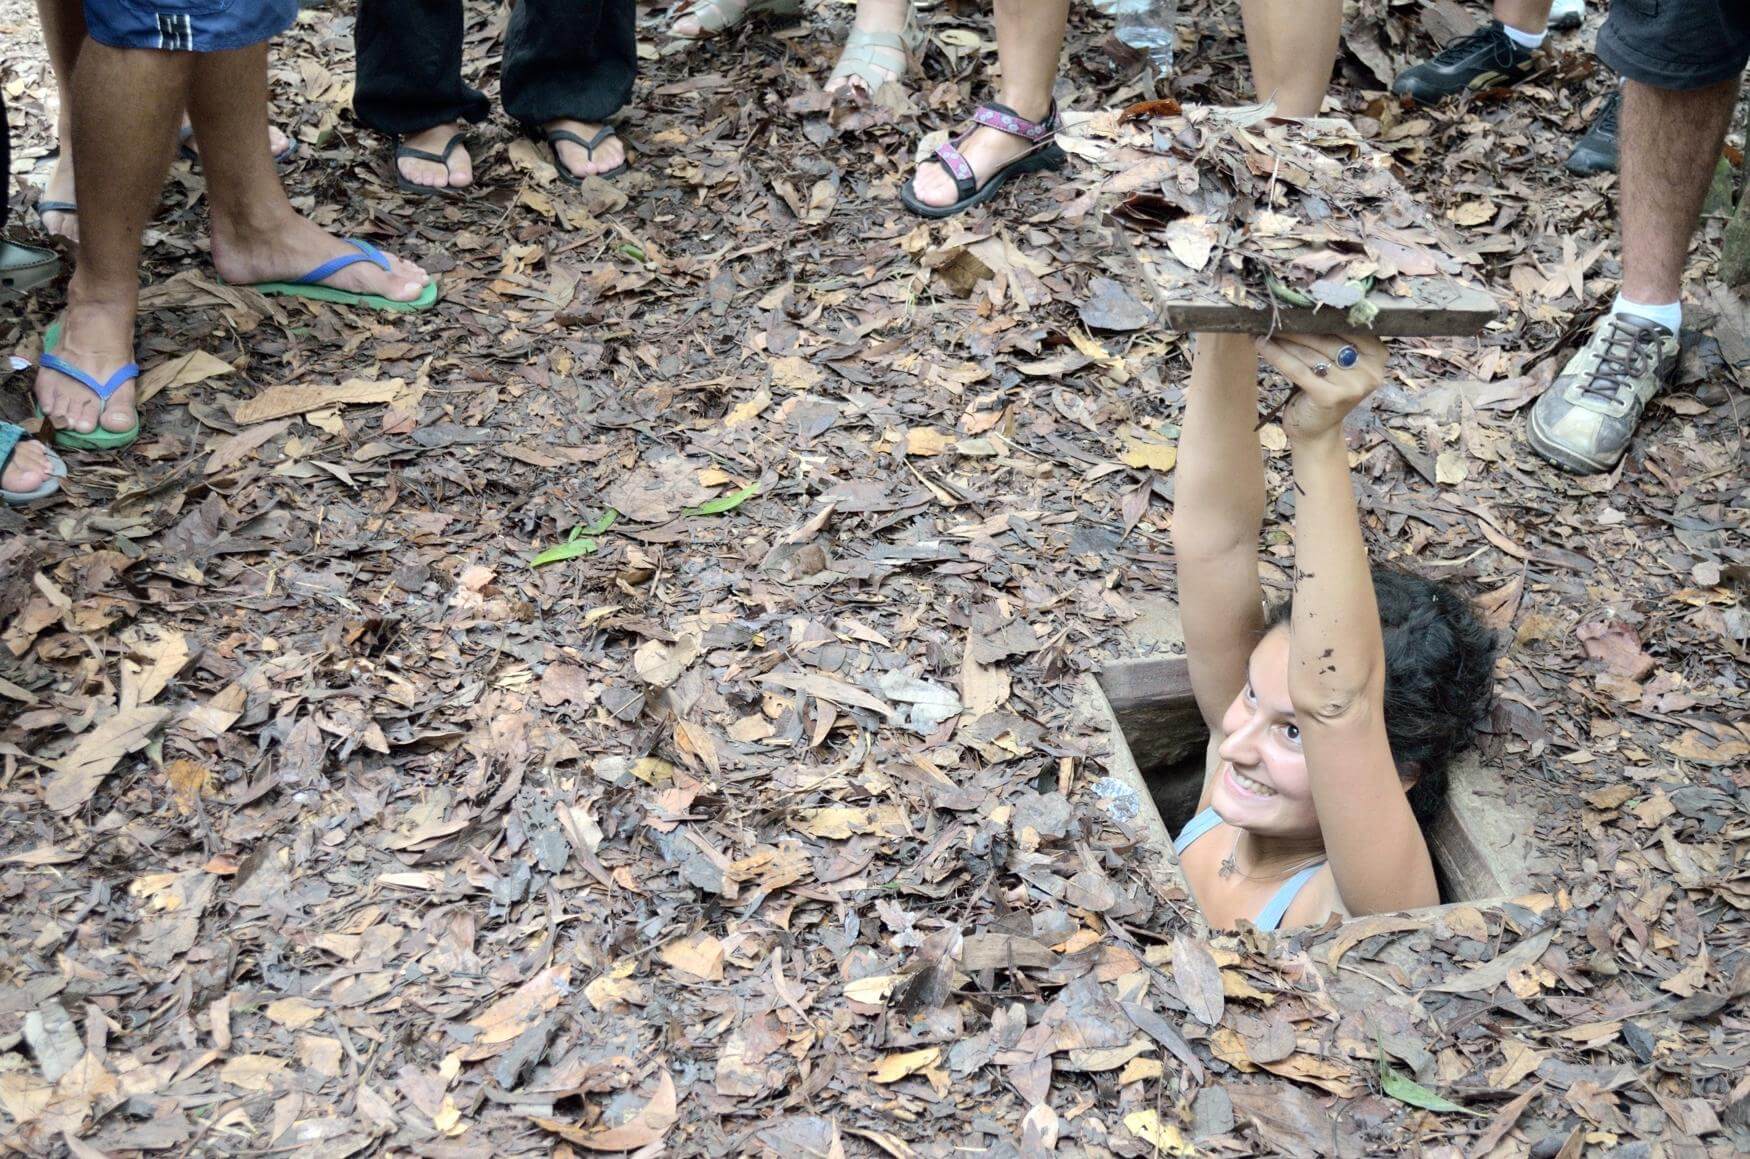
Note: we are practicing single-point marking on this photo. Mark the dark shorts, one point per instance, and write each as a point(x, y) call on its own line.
point(187, 25)
point(1676, 44)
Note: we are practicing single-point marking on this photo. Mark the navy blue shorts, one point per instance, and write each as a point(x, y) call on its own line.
point(187, 25)
point(1676, 44)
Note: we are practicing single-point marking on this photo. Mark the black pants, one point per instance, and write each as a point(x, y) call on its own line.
point(5, 163)
point(562, 58)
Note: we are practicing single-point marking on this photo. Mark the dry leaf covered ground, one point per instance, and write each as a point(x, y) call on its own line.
point(763, 820)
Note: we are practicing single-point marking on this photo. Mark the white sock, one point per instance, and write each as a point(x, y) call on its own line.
point(1669, 315)
point(1529, 40)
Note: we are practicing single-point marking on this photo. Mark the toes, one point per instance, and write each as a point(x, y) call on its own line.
point(927, 189)
point(117, 416)
point(28, 470)
point(69, 415)
point(688, 26)
point(423, 172)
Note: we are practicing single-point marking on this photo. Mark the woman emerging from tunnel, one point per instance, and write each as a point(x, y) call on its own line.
point(1332, 716)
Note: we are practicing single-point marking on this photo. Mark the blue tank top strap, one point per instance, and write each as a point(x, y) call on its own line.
point(1195, 828)
point(1271, 915)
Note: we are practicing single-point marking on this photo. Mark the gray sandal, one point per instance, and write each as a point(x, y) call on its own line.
point(11, 435)
point(716, 17)
point(872, 59)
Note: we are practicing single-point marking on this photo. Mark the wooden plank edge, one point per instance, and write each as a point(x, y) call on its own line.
point(1226, 318)
point(1397, 321)
point(1121, 766)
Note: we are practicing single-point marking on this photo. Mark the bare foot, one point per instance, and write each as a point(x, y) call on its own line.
point(289, 246)
point(98, 338)
point(457, 174)
point(277, 141)
point(986, 150)
point(610, 154)
point(28, 468)
point(61, 223)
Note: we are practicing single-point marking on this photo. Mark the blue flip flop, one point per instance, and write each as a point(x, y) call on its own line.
point(10, 436)
point(309, 285)
point(99, 439)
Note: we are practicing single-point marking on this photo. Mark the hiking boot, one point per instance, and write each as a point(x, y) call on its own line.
point(1567, 13)
point(1595, 151)
point(1485, 59)
point(1585, 420)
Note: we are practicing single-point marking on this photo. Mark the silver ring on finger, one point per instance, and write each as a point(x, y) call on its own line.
point(1321, 368)
point(1348, 356)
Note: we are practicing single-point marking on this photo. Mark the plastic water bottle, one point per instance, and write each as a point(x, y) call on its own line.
point(1147, 26)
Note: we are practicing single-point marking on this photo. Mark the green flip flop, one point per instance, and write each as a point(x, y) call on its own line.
point(309, 286)
point(99, 439)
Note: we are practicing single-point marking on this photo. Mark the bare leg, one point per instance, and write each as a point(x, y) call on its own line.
point(277, 141)
point(1530, 16)
point(1669, 143)
point(257, 235)
point(1029, 43)
point(63, 32)
point(125, 105)
point(1293, 49)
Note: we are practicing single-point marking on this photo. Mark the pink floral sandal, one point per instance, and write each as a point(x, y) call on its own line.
point(1042, 156)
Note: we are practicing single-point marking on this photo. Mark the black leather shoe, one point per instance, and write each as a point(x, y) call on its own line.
point(1487, 58)
point(1595, 151)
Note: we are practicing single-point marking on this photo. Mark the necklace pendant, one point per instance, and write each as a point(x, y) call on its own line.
point(1228, 868)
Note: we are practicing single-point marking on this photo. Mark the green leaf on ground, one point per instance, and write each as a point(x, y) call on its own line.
point(1405, 1089)
point(580, 542)
point(724, 503)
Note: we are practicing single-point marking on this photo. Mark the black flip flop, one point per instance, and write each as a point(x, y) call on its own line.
point(190, 154)
point(443, 158)
point(589, 147)
point(42, 207)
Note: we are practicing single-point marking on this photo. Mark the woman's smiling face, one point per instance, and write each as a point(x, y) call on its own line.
point(1262, 785)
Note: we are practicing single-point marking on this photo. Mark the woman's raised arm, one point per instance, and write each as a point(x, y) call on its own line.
point(1336, 660)
point(1218, 512)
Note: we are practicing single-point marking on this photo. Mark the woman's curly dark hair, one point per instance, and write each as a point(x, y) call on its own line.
point(1439, 677)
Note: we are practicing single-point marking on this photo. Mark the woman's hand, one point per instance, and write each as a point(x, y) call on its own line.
point(1328, 390)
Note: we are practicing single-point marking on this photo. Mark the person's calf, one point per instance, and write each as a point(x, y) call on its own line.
point(1670, 140)
point(279, 146)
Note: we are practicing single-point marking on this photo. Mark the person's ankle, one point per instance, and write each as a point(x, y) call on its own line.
point(881, 13)
point(251, 224)
point(1029, 105)
point(1667, 314)
point(98, 316)
point(1531, 41)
